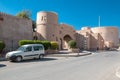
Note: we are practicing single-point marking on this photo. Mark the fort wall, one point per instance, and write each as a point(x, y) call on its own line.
point(13, 29)
point(109, 34)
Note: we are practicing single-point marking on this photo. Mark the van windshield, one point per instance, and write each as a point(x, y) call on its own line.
point(21, 48)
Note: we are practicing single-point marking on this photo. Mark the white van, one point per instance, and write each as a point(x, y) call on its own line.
point(29, 51)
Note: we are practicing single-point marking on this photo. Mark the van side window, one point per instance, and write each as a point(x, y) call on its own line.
point(41, 48)
point(37, 48)
point(29, 49)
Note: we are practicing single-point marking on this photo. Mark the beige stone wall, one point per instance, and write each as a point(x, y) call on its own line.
point(101, 42)
point(66, 33)
point(66, 29)
point(13, 29)
point(82, 38)
point(96, 42)
point(99, 37)
point(93, 41)
point(88, 40)
point(108, 33)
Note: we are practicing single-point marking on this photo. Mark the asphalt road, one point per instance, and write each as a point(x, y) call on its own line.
point(98, 66)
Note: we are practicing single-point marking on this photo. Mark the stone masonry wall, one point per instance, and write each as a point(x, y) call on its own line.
point(13, 29)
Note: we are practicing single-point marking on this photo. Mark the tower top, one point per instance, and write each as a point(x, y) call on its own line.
point(47, 12)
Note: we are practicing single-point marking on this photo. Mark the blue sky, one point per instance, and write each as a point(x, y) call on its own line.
point(77, 13)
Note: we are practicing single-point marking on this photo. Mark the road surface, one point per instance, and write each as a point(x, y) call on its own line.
point(98, 66)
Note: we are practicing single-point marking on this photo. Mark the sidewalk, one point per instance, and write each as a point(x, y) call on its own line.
point(68, 54)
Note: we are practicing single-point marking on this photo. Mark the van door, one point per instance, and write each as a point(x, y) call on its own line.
point(37, 50)
point(28, 54)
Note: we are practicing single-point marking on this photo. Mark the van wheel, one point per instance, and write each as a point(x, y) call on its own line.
point(41, 56)
point(18, 58)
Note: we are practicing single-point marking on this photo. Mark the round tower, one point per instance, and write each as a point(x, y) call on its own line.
point(109, 34)
point(46, 25)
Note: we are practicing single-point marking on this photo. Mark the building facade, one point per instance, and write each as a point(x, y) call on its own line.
point(49, 29)
point(87, 38)
point(13, 29)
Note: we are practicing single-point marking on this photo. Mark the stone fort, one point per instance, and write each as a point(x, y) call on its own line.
point(13, 29)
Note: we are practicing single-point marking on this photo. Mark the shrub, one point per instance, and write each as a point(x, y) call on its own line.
point(54, 45)
point(2, 45)
point(46, 44)
point(23, 42)
point(37, 42)
point(72, 44)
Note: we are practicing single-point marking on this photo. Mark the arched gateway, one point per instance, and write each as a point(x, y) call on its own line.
point(66, 39)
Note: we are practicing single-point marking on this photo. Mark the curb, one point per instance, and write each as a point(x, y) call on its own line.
point(3, 59)
point(69, 55)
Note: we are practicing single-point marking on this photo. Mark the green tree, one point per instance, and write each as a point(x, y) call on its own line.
point(24, 14)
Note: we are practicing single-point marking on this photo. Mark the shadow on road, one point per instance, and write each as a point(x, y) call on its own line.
point(37, 60)
point(2, 65)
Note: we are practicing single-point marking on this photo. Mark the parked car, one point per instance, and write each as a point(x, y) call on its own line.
point(29, 51)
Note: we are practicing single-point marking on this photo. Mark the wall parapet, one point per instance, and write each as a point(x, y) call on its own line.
point(5, 15)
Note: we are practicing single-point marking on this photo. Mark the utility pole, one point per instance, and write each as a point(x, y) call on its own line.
point(99, 21)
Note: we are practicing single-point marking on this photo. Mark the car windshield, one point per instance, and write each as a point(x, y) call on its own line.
point(21, 48)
